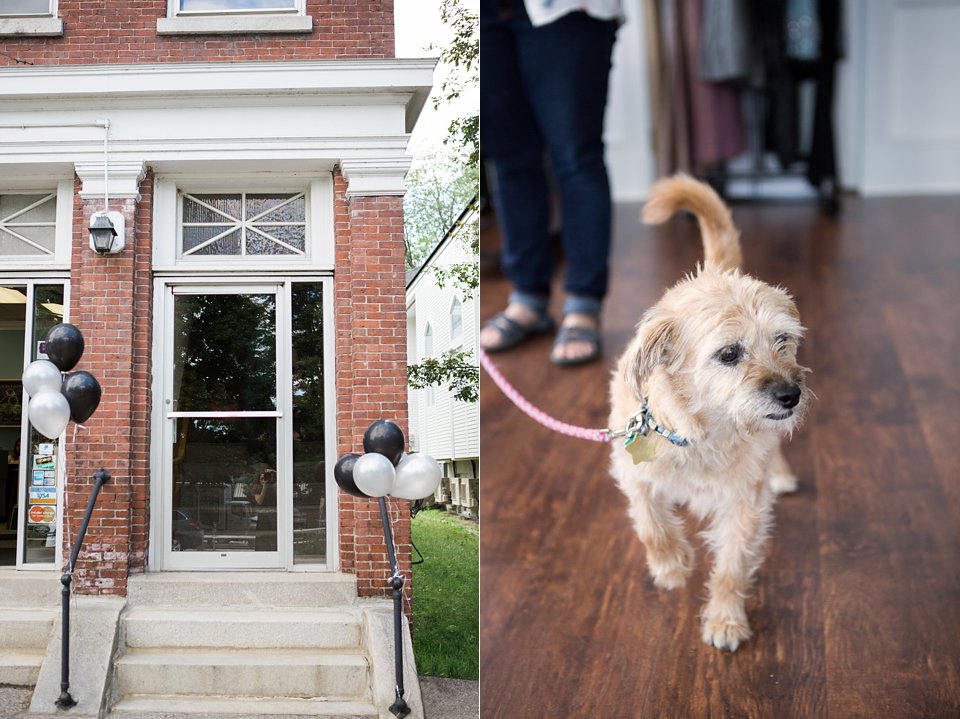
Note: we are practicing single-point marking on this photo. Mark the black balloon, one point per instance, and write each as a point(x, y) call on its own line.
point(64, 346)
point(386, 438)
point(83, 395)
point(343, 473)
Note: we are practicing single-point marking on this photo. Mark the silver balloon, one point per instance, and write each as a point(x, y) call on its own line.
point(41, 375)
point(418, 476)
point(374, 474)
point(49, 413)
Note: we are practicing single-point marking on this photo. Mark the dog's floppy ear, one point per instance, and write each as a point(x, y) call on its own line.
point(654, 344)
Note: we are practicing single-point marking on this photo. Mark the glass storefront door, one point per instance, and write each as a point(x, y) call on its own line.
point(31, 475)
point(244, 460)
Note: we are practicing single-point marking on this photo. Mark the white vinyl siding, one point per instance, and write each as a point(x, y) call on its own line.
point(448, 428)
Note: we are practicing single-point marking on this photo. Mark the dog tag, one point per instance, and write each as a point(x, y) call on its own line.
point(639, 447)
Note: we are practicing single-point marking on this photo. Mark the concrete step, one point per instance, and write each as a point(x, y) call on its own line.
point(242, 589)
point(298, 673)
point(29, 589)
point(265, 628)
point(22, 628)
point(215, 707)
point(20, 667)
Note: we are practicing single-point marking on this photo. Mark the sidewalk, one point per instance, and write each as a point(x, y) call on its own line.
point(450, 698)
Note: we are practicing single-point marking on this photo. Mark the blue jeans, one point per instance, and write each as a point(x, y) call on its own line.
point(543, 92)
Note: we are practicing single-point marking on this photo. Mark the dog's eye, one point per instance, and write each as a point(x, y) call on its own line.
point(730, 355)
point(782, 340)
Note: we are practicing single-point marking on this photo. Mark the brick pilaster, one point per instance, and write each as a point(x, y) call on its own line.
point(371, 367)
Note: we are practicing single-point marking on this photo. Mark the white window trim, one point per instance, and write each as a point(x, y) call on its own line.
point(179, 22)
point(63, 232)
point(40, 24)
point(456, 342)
point(320, 250)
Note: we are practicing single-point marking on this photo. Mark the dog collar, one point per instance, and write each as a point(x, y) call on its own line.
point(641, 423)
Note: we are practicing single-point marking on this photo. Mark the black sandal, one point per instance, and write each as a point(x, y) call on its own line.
point(512, 333)
point(587, 335)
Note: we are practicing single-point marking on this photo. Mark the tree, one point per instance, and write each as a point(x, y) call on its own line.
point(437, 195)
point(462, 55)
point(439, 185)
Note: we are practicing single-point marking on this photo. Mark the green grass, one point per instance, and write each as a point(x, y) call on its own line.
point(446, 605)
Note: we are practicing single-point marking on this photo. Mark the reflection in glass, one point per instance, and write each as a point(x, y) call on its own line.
point(43, 455)
point(309, 470)
point(225, 352)
point(216, 465)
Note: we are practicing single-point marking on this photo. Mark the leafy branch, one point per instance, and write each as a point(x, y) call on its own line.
point(455, 367)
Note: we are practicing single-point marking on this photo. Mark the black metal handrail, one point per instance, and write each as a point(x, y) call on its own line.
point(65, 701)
point(399, 708)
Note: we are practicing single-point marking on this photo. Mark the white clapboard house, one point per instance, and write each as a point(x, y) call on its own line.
point(441, 319)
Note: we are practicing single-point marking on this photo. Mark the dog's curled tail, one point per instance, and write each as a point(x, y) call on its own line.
point(721, 240)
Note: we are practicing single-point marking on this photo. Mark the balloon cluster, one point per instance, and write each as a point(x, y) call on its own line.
point(385, 469)
point(58, 395)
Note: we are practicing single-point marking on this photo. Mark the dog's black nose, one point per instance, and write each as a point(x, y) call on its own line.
point(787, 394)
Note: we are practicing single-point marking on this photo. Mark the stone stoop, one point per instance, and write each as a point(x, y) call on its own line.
point(29, 607)
point(243, 644)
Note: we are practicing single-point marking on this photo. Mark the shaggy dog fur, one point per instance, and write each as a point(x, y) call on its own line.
point(715, 360)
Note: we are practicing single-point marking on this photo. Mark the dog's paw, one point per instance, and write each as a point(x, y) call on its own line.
point(783, 483)
point(725, 632)
point(670, 571)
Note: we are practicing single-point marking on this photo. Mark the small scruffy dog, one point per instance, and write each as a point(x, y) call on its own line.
point(706, 389)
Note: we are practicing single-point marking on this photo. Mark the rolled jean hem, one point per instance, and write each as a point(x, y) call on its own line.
point(580, 305)
point(537, 303)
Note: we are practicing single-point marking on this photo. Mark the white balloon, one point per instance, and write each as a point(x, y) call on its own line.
point(418, 476)
point(49, 413)
point(374, 474)
point(41, 375)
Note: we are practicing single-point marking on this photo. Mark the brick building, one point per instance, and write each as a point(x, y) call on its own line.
point(254, 153)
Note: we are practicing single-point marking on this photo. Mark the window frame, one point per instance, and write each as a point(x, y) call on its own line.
point(319, 250)
point(430, 391)
point(174, 11)
point(63, 226)
point(51, 12)
point(456, 340)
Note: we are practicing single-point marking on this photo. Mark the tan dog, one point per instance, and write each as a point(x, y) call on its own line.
point(714, 361)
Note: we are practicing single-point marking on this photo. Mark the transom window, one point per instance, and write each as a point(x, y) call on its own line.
point(28, 225)
point(236, 224)
point(25, 7)
point(222, 6)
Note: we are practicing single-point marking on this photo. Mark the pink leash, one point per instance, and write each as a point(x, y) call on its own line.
point(537, 415)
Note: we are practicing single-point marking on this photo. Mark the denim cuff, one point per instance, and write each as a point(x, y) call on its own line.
point(582, 306)
point(538, 303)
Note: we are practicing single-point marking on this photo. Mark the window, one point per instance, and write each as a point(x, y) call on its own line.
point(28, 225)
point(198, 17)
point(30, 18)
point(25, 7)
point(204, 224)
point(456, 323)
point(36, 228)
point(243, 224)
point(427, 354)
point(222, 6)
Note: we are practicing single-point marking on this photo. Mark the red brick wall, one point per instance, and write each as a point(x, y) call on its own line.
point(371, 319)
point(124, 31)
point(110, 304)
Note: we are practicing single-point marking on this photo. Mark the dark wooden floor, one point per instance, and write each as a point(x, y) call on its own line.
point(857, 607)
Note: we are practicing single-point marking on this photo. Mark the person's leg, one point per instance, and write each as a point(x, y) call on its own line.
point(565, 67)
point(513, 147)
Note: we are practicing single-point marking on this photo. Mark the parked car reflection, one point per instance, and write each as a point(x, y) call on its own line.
point(186, 532)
